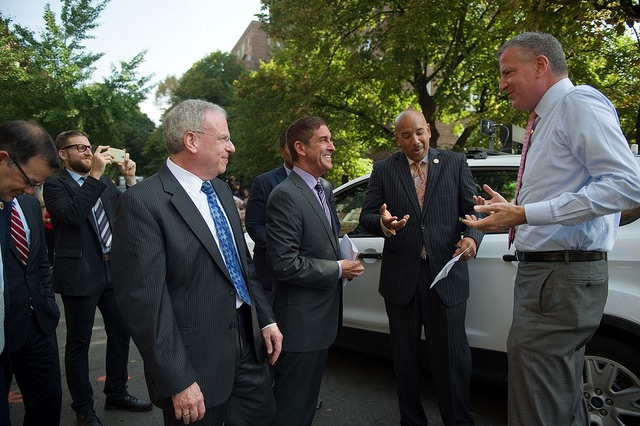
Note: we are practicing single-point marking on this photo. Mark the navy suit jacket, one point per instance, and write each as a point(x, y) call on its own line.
point(255, 221)
point(78, 250)
point(32, 281)
point(448, 197)
point(175, 291)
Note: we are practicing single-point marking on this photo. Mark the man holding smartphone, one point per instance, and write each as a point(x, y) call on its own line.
point(82, 204)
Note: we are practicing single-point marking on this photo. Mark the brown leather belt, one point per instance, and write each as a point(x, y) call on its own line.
point(106, 257)
point(560, 256)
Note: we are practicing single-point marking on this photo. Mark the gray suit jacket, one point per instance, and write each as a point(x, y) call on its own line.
point(448, 196)
point(302, 251)
point(175, 292)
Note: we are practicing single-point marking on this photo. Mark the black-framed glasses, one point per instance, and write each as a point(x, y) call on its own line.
point(225, 139)
point(27, 179)
point(80, 147)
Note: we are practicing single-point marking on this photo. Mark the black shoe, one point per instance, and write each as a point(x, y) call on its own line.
point(88, 418)
point(128, 403)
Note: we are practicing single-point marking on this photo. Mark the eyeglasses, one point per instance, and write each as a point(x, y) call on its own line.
point(27, 179)
point(80, 147)
point(225, 139)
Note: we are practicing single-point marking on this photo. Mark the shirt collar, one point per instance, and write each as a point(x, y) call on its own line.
point(552, 95)
point(190, 182)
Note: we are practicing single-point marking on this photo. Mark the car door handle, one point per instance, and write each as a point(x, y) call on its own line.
point(376, 256)
point(509, 258)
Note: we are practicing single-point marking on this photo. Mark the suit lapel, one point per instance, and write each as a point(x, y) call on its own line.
point(311, 198)
point(406, 182)
point(191, 216)
point(433, 174)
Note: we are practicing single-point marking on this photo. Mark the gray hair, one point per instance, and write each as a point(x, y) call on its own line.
point(186, 116)
point(532, 44)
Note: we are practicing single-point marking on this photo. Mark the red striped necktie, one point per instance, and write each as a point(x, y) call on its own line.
point(523, 157)
point(19, 236)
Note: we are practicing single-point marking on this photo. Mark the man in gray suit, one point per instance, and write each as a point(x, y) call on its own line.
point(181, 266)
point(416, 248)
point(304, 256)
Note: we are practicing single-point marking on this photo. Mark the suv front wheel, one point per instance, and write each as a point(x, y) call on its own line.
point(612, 382)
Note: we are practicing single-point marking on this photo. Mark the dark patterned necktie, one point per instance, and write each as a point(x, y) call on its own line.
point(320, 190)
point(226, 243)
point(103, 224)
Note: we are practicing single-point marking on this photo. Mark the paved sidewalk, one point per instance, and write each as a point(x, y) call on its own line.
point(97, 351)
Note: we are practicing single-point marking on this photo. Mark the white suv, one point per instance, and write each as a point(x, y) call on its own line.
point(612, 364)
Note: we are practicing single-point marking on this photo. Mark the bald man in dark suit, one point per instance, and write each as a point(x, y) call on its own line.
point(416, 248)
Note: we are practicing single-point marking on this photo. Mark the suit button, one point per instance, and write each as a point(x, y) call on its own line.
point(232, 326)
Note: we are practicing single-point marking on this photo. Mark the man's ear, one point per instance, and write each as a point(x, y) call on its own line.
point(299, 147)
point(541, 64)
point(189, 140)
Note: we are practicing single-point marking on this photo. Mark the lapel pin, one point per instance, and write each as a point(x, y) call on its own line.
point(1, 205)
point(436, 161)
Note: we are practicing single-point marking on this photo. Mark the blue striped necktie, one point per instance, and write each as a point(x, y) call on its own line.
point(103, 224)
point(226, 243)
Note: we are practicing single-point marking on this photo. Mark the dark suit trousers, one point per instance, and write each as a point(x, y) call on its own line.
point(36, 367)
point(448, 352)
point(298, 376)
point(80, 315)
point(251, 402)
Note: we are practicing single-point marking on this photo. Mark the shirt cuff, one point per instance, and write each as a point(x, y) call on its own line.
point(538, 213)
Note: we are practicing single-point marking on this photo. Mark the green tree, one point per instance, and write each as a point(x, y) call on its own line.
point(50, 79)
point(210, 79)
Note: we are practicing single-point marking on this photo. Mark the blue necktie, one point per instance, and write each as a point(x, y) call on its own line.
point(226, 243)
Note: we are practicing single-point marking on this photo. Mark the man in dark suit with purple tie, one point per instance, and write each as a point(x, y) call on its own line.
point(416, 248)
point(255, 220)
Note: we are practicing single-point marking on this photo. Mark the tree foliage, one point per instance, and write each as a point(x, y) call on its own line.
point(358, 64)
point(48, 79)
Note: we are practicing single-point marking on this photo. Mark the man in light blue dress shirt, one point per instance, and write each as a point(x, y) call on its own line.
point(579, 174)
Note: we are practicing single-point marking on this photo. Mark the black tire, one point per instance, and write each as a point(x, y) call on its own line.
point(612, 382)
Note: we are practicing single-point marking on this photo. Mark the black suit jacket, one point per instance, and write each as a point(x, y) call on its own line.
point(175, 291)
point(302, 251)
point(78, 250)
point(30, 281)
point(448, 197)
point(255, 221)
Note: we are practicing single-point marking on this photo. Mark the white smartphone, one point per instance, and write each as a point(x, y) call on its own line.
point(118, 155)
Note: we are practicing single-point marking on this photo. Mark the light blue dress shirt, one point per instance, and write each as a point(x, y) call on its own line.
point(579, 174)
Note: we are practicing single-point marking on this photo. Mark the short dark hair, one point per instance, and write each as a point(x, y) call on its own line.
point(62, 139)
point(283, 139)
point(302, 130)
point(27, 139)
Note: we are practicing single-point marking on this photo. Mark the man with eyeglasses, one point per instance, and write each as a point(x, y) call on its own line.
point(27, 158)
point(181, 270)
point(82, 204)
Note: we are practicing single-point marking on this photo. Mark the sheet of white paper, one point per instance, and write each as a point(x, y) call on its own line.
point(349, 251)
point(447, 267)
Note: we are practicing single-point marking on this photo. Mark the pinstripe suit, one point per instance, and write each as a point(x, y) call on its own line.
point(404, 278)
point(176, 293)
